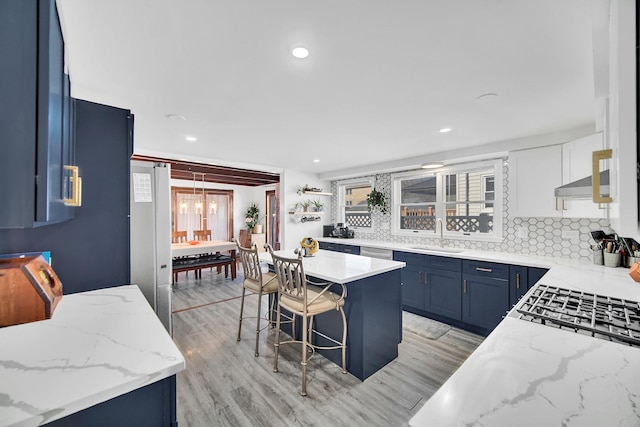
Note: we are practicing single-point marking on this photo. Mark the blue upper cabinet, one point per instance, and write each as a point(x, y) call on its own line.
point(36, 116)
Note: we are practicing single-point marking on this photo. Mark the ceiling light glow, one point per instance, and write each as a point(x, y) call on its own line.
point(445, 130)
point(432, 165)
point(175, 117)
point(191, 138)
point(487, 97)
point(300, 52)
point(316, 160)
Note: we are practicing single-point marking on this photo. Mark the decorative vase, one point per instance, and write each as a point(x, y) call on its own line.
point(257, 229)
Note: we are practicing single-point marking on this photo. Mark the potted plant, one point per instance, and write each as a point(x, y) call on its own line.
point(318, 205)
point(377, 200)
point(305, 205)
point(251, 216)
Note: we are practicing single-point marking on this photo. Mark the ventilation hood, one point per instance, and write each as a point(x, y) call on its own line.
point(582, 189)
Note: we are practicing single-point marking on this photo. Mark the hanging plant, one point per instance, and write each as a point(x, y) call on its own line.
point(377, 199)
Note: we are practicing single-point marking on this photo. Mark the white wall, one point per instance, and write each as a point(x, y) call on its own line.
point(293, 232)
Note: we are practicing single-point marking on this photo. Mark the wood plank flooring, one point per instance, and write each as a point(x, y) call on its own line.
point(225, 385)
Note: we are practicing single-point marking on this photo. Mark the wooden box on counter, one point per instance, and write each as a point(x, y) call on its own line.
point(29, 290)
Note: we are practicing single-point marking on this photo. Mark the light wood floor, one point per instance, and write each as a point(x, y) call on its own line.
point(225, 385)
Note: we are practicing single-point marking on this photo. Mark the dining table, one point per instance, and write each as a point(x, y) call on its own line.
point(203, 247)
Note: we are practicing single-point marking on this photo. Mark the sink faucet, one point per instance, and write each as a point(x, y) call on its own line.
point(439, 221)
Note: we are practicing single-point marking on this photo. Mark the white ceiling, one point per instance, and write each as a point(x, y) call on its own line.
point(382, 78)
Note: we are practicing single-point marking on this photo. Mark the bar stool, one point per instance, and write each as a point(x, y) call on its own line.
point(256, 282)
point(307, 301)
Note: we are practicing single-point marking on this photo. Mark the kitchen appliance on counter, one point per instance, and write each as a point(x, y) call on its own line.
point(608, 318)
point(29, 290)
point(341, 231)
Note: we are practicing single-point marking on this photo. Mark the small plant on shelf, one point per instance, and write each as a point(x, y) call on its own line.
point(305, 188)
point(318, 205)
point(305, 205)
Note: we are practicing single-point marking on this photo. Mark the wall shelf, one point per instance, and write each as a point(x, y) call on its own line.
point(309, 213)
point(318, 193)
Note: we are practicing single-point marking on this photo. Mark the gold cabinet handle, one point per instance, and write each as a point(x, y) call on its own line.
point(486, 270)
point(76, 187)
point(595, 170)
point(517, 280)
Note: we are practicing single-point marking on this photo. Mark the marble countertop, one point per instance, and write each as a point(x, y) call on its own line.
point(528, 374)
point(97, 345)
point(339, 267)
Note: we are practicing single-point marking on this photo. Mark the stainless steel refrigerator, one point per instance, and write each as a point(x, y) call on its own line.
point(151, 235)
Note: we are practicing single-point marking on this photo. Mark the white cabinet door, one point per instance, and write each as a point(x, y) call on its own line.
point(533, 176)
point(576, 164)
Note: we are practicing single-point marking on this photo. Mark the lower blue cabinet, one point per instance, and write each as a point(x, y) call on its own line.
point(443, 293)
point(413, 287)
point(485, 300)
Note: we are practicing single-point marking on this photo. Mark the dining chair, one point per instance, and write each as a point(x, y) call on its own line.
point(201, 235)
point(257, 282)
point(307, 299)
point(178, 236)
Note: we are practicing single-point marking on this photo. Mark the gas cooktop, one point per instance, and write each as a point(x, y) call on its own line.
point(604, 317)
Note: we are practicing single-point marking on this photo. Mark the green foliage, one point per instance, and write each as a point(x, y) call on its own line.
point(377, 200)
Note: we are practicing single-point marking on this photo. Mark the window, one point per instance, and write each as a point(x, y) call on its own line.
point(466, 197)
point(202, 209)
point(488, 182)
point(352, 203)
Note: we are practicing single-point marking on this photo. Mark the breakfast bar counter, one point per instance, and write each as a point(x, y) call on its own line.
point(373, 307)
point(97, 346)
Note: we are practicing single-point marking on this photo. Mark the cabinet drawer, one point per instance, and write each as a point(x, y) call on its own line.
point(409, 258)
point(350, 249)
point(443, 263)
point(329, 246)
point(486, 269)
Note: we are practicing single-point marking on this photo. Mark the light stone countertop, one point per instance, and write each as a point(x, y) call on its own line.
point(98, 345)
point(339, 267)
point(533, 375)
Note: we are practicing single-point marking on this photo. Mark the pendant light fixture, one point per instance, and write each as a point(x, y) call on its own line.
point(198, 206)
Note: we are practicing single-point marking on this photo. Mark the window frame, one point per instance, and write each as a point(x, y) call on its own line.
point(342, 187)
point(441, 201)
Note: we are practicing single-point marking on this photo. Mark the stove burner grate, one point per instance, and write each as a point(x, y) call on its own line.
point(604, 317)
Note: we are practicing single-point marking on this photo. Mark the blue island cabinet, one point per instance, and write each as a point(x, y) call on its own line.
point(374, 324)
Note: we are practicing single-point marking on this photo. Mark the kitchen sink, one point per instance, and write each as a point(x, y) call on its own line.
point(438, 249)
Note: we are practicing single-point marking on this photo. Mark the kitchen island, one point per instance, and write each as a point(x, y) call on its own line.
point(373, 308)
point(98, 346)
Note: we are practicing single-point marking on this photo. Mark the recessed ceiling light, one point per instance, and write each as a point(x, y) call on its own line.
point(432, 165)
point(191, 138)
point(175, 117)
point(487, 97)
point(300, 52)
point(316, 160)
point(445, 130)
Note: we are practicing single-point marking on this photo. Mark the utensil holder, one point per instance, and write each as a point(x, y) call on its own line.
point(598, 259)
point(628, 261)
point(612, 259)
